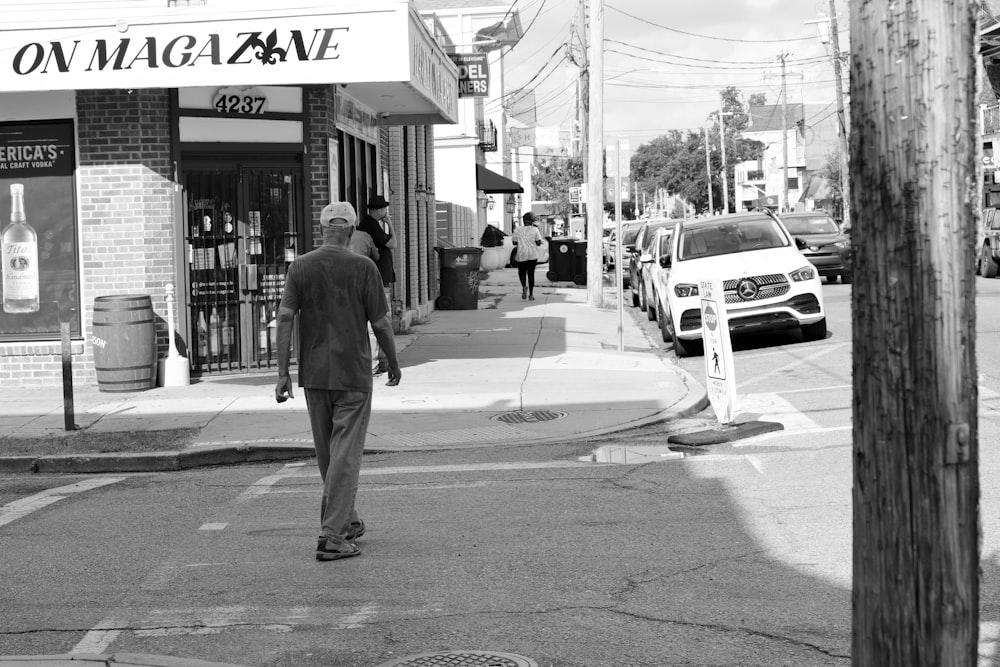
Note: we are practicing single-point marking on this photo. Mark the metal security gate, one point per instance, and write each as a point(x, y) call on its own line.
point(244, 227)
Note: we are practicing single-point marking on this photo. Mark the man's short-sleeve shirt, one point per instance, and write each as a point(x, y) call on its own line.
point(336, 293)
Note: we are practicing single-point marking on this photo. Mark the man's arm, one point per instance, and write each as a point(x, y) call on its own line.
point(387, 341)
point(286, 318)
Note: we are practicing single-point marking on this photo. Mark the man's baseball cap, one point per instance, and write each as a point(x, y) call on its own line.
point(338, 214)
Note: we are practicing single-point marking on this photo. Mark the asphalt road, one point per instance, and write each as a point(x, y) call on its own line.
point(737, 554)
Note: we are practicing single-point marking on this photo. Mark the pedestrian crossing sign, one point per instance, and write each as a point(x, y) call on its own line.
point(720, 372)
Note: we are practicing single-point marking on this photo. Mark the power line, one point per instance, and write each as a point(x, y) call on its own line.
point(721, 39)
point(708, 60)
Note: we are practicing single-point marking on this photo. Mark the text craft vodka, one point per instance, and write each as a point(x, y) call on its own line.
point(20, 258)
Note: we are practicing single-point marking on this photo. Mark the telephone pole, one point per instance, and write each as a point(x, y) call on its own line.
point(708, 171)
point(845, 178)
point(595, 157)
point(916, 536)
point(784, 134)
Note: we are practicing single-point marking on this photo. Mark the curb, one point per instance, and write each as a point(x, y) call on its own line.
point(172, 461)
point(152, 461)
point(123, 659)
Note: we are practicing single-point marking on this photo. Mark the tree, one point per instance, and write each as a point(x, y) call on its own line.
point(831, 172)
point(674, 162)
point(553, 176)
point(913, 183)
point(757, 100)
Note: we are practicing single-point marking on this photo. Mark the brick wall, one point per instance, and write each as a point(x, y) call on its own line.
point(126, 221)
point(320, 128)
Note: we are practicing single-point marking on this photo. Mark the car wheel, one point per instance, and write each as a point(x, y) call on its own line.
point(635, 296)
point(683, 348)
point(642, 296)
point(987, 265)
point(814, 331)
point(845, 278)
point(650, 311)
point(661, 317)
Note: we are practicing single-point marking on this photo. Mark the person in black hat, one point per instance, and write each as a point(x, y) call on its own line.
point(378, 225)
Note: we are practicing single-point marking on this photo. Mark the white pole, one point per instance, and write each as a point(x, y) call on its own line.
point(618, 245)
point(595, 157)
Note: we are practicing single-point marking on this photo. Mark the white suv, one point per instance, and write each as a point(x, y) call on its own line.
point(769, 284)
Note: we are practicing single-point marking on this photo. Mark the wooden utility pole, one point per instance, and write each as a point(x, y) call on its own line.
point(595, 157)
point(845, 149)
point(784, 135)
point(722, 145)
point(708, 172)
point(915, 432)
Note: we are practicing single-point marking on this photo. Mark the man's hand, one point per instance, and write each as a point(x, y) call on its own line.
point(283, 390)
point(394, 374)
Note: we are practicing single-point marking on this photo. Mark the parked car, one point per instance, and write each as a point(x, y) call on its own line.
point(629, 231)
point(826, 244)
point(988, 243)
point(768, 283)
point(640, 246)
point(653, 270)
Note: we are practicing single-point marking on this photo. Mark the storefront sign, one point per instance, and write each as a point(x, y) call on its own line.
point(355, 118)
point(432, 73)
point(473, 74)
point(41, 157)
point(382, 43)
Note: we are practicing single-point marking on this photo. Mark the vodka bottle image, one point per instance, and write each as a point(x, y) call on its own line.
point(20, 258)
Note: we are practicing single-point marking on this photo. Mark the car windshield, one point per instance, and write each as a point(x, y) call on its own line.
point(730, 236)
point(629, 234)
point(818, 224)
point(651, 234)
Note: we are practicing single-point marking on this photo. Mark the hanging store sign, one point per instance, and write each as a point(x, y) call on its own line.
point(473, 74)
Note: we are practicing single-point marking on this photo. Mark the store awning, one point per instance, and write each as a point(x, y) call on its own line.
point(405, 78)
point(490, 181)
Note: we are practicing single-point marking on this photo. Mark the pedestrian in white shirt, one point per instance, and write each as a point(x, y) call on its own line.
point(528, 240)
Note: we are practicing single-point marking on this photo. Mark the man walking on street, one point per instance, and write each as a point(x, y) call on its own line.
point(335, 293)
point(378, 225)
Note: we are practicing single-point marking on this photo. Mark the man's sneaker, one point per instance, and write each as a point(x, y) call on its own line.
point(354, 531)
point(327, 549)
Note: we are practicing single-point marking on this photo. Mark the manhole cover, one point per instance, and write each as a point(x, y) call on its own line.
point(462, 659)
point(528, 416)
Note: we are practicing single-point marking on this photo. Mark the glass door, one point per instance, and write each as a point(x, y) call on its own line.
point(243, 230)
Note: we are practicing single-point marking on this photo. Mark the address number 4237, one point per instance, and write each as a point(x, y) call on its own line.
point(240, 104)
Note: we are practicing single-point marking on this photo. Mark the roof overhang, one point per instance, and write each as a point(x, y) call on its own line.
point(380, 49)
point(492, 182)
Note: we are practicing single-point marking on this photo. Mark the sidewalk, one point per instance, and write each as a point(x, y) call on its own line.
point(512, 371)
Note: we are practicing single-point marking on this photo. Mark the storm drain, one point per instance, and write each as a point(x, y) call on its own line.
point(528, 416)
point(462, 659)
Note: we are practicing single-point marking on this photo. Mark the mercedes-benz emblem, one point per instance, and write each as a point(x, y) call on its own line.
point(747, 289)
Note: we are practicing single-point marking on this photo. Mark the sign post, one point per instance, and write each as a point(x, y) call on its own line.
point(720, 371)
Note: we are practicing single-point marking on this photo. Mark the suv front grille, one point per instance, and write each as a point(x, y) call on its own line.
point(768, 287)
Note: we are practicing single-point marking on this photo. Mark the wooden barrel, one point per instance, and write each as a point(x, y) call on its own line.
point(124, 340)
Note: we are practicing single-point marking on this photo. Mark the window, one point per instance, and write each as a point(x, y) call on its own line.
point(793, 183)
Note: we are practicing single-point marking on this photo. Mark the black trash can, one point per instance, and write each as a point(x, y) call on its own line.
point(562, 259)
point(459, 278)
point(580, 265)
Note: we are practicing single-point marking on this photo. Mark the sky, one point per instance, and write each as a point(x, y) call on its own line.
point(665, 61)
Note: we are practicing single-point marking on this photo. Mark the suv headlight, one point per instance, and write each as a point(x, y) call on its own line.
point(805, 273)
point(842, 244)
point(684, 290)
